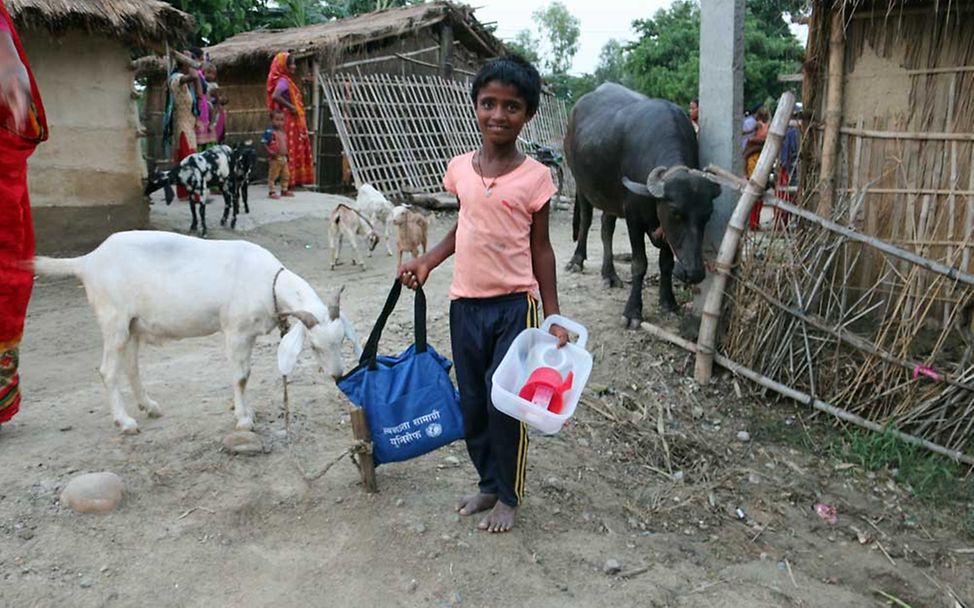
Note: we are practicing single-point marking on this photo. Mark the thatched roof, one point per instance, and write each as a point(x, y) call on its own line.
point(330, 38)
point(145, 23)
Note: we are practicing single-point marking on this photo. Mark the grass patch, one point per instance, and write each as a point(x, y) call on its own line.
point(928, 476)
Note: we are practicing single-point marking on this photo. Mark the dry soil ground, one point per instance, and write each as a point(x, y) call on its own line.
point(700, 519)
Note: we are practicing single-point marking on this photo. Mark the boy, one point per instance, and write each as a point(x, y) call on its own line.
point(275, 144)
point(504, 260)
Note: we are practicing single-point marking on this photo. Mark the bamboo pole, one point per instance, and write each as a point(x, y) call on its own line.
point(807, 399)
point(732, 236)
point(903, 135)
point(833, 111)
point(316, 116)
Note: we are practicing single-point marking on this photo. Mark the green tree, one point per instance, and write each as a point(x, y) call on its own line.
point(217, 20)
point(560, 30)
point(612, 63)
point(665, 60)
point(526, 45)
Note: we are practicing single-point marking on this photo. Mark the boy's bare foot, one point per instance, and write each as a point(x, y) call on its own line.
point(475, 503)
point(500, 519)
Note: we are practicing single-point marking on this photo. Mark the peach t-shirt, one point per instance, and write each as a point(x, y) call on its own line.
point(493, 251)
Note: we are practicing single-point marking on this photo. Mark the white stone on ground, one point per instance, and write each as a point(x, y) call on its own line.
point(247, 443)
point(93, 492)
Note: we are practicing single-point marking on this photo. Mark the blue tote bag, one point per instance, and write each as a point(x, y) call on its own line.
point(409, 400)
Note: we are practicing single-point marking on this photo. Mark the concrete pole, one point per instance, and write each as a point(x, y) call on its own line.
point(721, 101)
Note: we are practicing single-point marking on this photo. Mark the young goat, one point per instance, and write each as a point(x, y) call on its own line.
point(242, 162)
point(197, 172)
point(412, 228)
point(373, 205)
point(348, 222)
point(147, 286)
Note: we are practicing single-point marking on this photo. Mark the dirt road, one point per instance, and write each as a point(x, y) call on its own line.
point(200, 527)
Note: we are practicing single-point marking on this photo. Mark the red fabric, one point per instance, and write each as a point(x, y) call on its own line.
point(16, 229)
point(299, 161)
point(16, 236)
point(36, 129)
point(179, 153)
point(781, 191)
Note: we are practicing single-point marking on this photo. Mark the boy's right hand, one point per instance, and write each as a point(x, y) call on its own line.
point(413, 274)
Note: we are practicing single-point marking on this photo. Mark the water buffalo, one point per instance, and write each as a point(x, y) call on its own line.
point(630, 156)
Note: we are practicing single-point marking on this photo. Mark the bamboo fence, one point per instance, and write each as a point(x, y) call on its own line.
point(863, 306)
point(399, 133)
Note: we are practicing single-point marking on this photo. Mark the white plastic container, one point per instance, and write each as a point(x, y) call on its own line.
point(534, 348)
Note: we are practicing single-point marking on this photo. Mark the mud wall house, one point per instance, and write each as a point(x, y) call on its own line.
point(888, 150)
point(429, 39)
point(85, 181)
point(889, 83)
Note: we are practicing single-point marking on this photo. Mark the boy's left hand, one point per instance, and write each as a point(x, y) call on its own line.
point(559, 332)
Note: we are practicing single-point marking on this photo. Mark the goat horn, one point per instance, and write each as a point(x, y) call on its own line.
point(304, 316)
point(334, 303)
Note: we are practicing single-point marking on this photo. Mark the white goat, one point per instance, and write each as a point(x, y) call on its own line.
point(373, 205)
point(412, 228)
point(345, 221)
point(147, 286)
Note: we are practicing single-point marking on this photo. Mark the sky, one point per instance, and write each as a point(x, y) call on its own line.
point(600, 20)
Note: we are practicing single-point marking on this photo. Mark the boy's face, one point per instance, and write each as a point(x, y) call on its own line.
point(277, 120)
point(501, 112)
point(210, 74)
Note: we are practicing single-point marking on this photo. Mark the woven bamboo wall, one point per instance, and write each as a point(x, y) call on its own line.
point(400, 133)
point(907, 139)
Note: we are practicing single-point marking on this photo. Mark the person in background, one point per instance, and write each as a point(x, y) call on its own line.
point(218, 102)
point(275, 142)
point(748, 127)
point(694, 113)
point(788, 167)
point(179, 120)
point(22, 126)
point(285, 95)
point(752, 152)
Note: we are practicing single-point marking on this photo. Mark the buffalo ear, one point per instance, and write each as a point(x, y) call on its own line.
point(714, 190)
point(635, 187)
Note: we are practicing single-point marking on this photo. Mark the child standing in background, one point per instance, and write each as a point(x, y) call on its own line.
point(275, 145)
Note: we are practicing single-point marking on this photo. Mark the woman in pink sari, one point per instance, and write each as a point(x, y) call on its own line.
point(284, 94)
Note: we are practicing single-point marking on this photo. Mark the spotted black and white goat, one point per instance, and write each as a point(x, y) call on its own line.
point(197, 173)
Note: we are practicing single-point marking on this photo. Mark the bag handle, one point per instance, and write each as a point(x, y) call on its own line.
point(371, 350)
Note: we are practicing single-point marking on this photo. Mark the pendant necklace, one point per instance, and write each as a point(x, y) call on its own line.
point(489, 188)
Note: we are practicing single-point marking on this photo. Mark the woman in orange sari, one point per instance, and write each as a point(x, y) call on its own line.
point(22, 127)
point(284, 94)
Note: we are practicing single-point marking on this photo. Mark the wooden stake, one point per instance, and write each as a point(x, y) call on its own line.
point(732, 236)
point(366, 466)
point(316, 118)
point(833, 111)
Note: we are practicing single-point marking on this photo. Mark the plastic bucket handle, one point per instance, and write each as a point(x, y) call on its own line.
point(568, 324)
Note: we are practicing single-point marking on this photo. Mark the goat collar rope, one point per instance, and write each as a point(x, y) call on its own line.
point(281, 323)
point(356, 212)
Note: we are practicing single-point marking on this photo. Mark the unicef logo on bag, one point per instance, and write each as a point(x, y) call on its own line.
point(434, 430)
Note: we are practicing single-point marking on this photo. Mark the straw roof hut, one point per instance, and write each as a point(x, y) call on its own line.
point(85, 181)
point(433, 38)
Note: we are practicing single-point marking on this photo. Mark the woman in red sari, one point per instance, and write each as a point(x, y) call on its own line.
point(284, 94)
point(22, 127)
